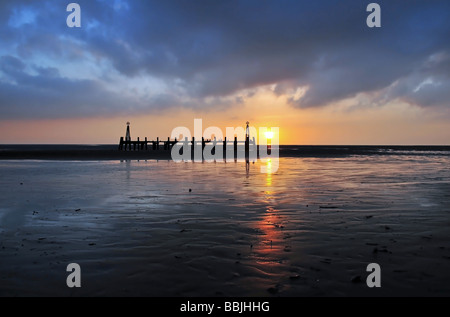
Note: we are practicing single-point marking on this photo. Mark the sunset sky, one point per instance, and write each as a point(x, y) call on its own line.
point(312, 68)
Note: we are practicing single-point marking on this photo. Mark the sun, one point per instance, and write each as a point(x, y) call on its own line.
point(269, 135)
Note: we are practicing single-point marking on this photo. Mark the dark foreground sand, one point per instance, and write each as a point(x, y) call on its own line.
point(158, 228)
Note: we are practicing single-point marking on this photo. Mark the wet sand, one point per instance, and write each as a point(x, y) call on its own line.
point(159, 228)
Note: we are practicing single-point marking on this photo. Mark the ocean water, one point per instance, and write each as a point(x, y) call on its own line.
point(160, 228)
point(284, 150)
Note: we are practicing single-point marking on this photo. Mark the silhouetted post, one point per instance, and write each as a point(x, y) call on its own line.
point(121, 144)
point(186, 144)
point(247, 146)
point(193, 144)
point(146, 147)
point(235, 145)
point(247, 139)
point(157, 143)
point(203, 143)
point(128, 134)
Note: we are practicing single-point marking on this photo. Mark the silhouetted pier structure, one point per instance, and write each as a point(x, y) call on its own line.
point(155, 145)
point(127, 144)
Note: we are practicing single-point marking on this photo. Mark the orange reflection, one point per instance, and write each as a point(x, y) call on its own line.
point(269, 173)
point(270, 225)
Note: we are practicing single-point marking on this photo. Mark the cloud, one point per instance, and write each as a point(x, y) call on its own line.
point(427, 86)
point(209, 53)
point(47, 94)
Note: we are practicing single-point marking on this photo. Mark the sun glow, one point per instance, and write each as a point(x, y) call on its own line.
point(269, 135)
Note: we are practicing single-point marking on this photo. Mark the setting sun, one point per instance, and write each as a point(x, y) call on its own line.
point(269, 135)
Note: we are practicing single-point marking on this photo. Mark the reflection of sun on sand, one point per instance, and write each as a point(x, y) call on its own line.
point(270, 223)
point(269, 172)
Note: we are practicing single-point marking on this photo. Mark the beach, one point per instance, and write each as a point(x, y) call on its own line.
point(153, 227)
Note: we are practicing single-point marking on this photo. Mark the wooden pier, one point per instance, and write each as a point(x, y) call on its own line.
point(239, 148)
point(145, 145)
point(167, 145)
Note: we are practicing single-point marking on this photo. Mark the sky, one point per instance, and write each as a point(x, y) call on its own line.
point(312, 68)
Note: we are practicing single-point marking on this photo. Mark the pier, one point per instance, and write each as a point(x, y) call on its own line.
point(155, 145)
point(247, 146)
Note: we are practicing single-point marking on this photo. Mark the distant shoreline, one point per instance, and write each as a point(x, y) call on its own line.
point(111, 152)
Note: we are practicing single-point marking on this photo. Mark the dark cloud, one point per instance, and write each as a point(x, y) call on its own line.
point(214, 49)
point(48, 95)
point(428, 85)
point(11, 65)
